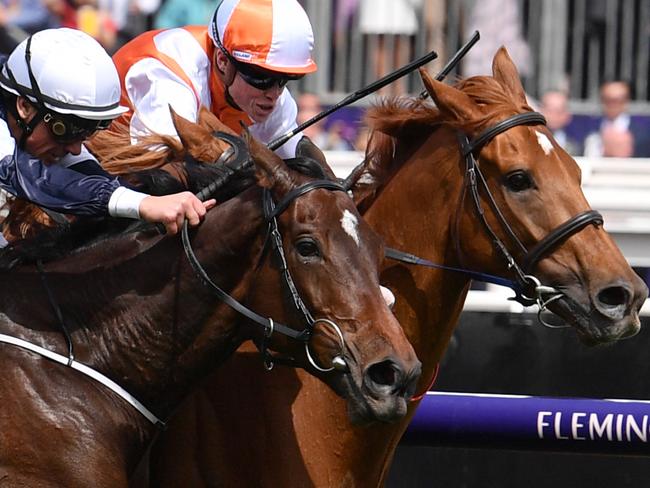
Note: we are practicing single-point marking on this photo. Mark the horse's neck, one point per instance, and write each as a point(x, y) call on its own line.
point(416, 213)
point(147, 321)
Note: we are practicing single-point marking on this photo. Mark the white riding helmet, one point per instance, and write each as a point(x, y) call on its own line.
point(273, 34)
point(72, 72)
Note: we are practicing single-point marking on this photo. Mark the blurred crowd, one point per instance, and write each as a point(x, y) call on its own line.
point(614, 132)
point(111, 22)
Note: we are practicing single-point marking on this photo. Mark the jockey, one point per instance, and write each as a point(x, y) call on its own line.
point(237, 66)
point(59, 87)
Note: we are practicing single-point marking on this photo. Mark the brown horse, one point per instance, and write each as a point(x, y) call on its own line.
point(137, 313)
point(286, 429)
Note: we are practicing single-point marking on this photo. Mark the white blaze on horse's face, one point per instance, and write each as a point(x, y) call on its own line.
point(349, 222)
point(544, 142)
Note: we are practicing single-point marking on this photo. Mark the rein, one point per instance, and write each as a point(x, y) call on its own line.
point(409, 258)
point(271, 212)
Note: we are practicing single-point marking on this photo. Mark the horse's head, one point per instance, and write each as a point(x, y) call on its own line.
point(536, 187)
point(332, 257)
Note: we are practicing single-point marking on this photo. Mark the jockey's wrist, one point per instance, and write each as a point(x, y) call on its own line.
point(125, 202)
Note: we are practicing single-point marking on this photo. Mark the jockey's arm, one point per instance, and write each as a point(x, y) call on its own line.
point(64, 190)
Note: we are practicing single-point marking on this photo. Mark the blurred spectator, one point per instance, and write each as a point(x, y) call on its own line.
point(338, 137)
point(361, 139)
point(135, 19)
point(97, 23)
point(499, 22)
point(308, 106)
point(619, 134)
point(617, 143)
point(332, 138)
point(29, 15)
point(177, 13)
point(20, 18)
point(395, 18)
point(64, 11)
point(555, 107)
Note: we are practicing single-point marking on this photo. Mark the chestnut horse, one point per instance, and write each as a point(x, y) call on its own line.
point(284, 428)
point(139, 316)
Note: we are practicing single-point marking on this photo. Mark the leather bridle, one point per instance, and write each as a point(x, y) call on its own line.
point(272, 210)
point(531, 289)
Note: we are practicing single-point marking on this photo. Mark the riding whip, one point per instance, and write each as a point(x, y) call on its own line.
point(451, 64)
point(357, 95)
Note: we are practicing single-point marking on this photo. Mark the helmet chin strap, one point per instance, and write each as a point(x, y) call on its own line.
point(27, 128)
point(228, 78)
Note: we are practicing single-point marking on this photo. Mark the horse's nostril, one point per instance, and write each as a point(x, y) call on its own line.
point(613, 296)
point(383, 373)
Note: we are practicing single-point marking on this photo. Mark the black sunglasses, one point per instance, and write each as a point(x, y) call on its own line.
point(261, 79)
point(66, 130)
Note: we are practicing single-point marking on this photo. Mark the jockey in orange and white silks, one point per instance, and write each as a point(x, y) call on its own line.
point(237, 66)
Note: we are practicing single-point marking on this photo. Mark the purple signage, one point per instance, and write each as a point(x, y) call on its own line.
point(531, 423)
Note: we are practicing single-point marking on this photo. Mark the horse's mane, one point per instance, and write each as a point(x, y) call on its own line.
point(119, 157)
point(411, 119)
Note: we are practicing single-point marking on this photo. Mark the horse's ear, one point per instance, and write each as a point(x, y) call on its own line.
point(271, 172)
point(197, 141)
point(505, 72)
point(306, 148)
point(449, 100)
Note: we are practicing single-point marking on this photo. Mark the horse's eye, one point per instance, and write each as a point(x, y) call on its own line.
point(519, 181)
point(307, 248)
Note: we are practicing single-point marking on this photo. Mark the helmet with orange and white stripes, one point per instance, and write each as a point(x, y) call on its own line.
point(275, 35)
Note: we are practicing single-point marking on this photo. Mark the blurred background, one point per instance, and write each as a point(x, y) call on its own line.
point(585, 64)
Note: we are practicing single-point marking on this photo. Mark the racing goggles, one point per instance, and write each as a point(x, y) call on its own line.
point(69, 129)
point(262, 79)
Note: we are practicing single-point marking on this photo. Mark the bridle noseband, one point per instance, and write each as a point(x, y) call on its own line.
point(271, 212)
point(529, 284)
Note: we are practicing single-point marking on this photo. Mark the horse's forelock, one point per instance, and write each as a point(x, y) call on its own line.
point(493, 98)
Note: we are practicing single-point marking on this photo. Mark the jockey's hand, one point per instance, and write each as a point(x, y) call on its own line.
point(172, 210)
